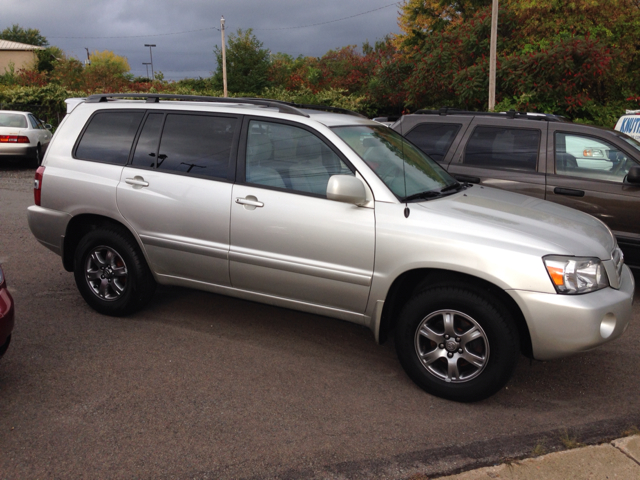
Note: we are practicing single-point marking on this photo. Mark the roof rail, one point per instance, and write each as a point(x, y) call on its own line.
point(511, 114)
point(323, 108)
point(282, 107)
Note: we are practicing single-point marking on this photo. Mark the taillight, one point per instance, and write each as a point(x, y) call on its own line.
point(14, 139)
point(37, 186)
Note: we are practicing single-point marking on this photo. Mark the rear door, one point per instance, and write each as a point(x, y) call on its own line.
point(505, 154)
point(176, 193)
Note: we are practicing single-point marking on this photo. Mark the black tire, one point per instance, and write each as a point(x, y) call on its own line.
point(115, 281)
point(493, 354)
point(37, 156)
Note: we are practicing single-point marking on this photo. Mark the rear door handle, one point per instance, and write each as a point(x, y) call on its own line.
point(137, 181)
point(250, 202)
point(568, 191)
point(467, 178)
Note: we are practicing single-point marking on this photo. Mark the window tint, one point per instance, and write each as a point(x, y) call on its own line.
point(290, 157)
point(147, 147)
point(109, 137)
point(12, 120)
point(434, 139)
point(503, 148)
point(590, 157)
point(197, 144)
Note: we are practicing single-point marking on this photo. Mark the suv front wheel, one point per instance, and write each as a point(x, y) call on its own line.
point(111, 272)
point(456, 343)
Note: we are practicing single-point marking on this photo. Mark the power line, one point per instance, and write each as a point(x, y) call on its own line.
point(256, 29)
point(330, 21)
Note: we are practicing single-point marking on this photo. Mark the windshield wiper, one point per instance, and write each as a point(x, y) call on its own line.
point(453, 186)
point(435, 193)
point(422, 195)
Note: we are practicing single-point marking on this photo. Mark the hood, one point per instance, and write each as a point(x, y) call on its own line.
point(528, 222)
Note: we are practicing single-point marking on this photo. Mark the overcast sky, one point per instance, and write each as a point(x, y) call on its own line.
point(296, 27)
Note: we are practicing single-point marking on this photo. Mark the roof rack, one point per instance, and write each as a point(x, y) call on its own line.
point(323, 108)
point(511, 114)
point(282, 107)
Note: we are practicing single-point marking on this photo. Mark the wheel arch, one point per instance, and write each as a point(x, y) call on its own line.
point(82, 224)
point(411, 282)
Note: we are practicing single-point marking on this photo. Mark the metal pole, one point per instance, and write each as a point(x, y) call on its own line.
point(224, 59)
point(492, 56)
point(146, 64)
point(153, 75)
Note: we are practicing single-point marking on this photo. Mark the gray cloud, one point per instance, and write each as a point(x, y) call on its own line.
point(191, 54)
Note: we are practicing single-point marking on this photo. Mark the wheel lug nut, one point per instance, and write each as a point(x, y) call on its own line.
point(446, 337)
point(449, 354)
point(459, 350)
point(101, 276)
point(442, 345)
point(458, 339)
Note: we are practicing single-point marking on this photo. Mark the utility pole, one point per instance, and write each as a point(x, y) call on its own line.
point(224, 59)
point(88, 62)
point(492, 56)
point(146, 64)
point(153, 75)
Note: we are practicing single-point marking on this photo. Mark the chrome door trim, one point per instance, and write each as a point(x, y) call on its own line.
point(211, 250)
point(317, 269)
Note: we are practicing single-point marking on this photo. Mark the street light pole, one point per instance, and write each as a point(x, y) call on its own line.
point(153, 75)
point(146, 64)
point(492, 55)
point(224, 59)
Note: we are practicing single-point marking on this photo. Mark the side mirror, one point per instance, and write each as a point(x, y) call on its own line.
point(634, 175)
point(48, 126)
point(347, 189)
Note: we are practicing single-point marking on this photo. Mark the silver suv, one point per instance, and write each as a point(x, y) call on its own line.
point(328, 213)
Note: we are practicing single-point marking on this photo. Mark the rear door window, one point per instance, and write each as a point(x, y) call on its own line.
point(434, 139)
point(109, 136)
point(503, 148)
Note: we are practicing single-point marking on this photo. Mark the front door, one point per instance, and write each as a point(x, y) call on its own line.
point(287, 239)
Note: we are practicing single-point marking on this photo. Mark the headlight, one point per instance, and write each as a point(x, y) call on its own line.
point(573, 275)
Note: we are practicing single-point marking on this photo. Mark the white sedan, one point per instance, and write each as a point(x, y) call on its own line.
point(23, 135)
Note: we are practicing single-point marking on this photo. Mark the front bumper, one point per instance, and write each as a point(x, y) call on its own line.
point(561, 325)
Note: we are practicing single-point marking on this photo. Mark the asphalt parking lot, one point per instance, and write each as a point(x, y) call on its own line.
point(203, 386)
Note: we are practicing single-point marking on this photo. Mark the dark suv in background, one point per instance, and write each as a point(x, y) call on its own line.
point(593, 169)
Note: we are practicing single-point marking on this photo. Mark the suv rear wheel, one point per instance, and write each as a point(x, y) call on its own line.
point(111, 272)
point(456, 343)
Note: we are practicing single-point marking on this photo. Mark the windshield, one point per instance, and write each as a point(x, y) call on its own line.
point(13, 120)
point(402, 167)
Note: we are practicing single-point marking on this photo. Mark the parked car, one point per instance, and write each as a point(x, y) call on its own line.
point(593, 169)
point(23, 135)
point(630, 124)
point(313, 209)
point(6, 315)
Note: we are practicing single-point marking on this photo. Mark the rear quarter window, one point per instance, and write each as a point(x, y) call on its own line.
point(503, 148)
point(108, 137)
point(434, 139)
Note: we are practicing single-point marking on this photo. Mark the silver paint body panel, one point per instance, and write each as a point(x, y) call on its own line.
point(327, 257)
